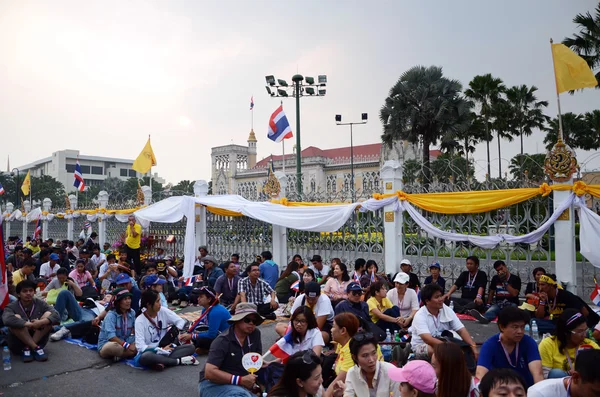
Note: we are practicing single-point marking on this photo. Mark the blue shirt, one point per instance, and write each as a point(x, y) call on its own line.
point(113, 326)
point(440, 281)
point(216, 319)
point(269, 271)
point(492, 356)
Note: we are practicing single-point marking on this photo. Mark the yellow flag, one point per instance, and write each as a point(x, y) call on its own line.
point(26, 186)
point(145, 160)
point(572, 71)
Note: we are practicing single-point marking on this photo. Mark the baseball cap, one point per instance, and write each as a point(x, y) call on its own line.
point(436, 264)
point(54, 257)
point(312, 289)
point(405, 262)
point(353, 286)
point(401, 278)
point(84, 251)
point(153, 279)
point(122, 279)
point(417, 373)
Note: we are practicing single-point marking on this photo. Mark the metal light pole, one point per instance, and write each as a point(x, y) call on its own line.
point(12, 173)
point(338, 121)
point(302, 87)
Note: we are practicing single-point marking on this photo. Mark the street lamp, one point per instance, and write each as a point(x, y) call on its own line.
point(12, 173)
point(338, 120)
point(301, 87)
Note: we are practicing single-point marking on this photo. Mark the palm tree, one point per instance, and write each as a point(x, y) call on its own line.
point(527, 111)
point(574, 128)
point(502, 125)
point(421, 107)
point(485, 91)
point(532, 164)
point(587, 42)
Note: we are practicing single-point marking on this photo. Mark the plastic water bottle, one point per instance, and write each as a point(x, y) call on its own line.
point(396, 336)
point(451, 305)
point(6, 358)
point(535, 332)
point(386, 350)
point(527, 329)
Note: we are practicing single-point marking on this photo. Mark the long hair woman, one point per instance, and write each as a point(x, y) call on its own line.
point(335, 287)
point(301, 377)
point(303, 335)
point(288, 277)
point(454, 379)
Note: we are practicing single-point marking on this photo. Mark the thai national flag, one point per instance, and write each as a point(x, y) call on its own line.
point(373, 276)
point(284, 347)
point(189, 281)
point(79, 183)
point(38, 229)
point(279, 127)
point(295, 286)
point(356, 277)
point(1, 190)
point(595, 296)
point(251, 102)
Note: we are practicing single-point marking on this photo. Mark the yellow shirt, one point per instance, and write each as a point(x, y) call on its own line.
point(552, 357)
point(18, 277)
point(344, 359)
point(385, 304)
point(33, 249)
point(134, 242)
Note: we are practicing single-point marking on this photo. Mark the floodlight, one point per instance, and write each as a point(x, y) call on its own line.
point(310, 91)
point(282, 83)
point(282, 92)
point(338, 118)
point(322, 79)
point(270, 80)
point(322, 92)
point(365, 116)
point(310, 80)
point(269, 91)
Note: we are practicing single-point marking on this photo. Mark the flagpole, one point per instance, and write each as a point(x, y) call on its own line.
point(283, 150)
point(560, 126)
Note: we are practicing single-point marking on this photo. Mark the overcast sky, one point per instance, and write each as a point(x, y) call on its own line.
point(99, 76)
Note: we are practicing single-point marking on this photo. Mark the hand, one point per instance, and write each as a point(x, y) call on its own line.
point(96, 322)
point(249, 381)
point(445, 297)
point(185, 338)
point(132, 348)
point(273, 304)
point(479, 301)
point(475, 352)
point(543, 296)
point(338, 388)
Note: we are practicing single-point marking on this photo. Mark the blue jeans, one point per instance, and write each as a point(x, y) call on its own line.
point(557, 373)
point(493, 311)
point(67, 306)
point(208, 389)
point(384, 325)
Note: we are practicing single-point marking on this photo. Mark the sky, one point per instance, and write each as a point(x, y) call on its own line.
point(100, 76)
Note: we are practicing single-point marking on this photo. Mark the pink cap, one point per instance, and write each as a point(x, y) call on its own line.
point(417, 373)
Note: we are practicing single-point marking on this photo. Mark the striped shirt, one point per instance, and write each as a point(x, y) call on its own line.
point(255, 293)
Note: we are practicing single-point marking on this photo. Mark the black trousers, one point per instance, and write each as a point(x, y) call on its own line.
point(133, 257)
point(462, 305)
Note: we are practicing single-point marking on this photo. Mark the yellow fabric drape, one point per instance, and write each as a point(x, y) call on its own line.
point(220, 211)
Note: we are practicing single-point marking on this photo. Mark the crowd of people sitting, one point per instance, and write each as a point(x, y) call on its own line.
point(332, 323)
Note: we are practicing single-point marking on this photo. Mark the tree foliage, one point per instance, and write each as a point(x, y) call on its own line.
point(580, 131)
point(528, 166)
point(586, 43)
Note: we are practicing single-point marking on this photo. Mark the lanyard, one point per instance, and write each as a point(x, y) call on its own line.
point(230, 283)
point(241, 344)
point(158, 329)
point(508, 355)
point(124, 324)
point(28, 315)
point(471, 282)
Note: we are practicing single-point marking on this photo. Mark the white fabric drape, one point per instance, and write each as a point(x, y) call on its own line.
point(589, 232)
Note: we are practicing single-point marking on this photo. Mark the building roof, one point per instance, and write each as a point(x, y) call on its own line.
point(74, 156)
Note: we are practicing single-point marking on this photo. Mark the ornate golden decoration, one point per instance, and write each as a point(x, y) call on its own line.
point(560, 163)
point(140, 194)
point(389, 216)
point(67, 202)
point(388, 186)
point(272, 186)
point(565, 216)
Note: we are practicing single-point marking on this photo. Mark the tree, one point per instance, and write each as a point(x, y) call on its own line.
point(530, 165)
point(587, 42)
point(47, 187)
point(421, 107)
point(502, 125)
point(576, 132)
point(485, 91)
point(183, 188)
point(411, 170)
point(527, 112)
point(447, 166)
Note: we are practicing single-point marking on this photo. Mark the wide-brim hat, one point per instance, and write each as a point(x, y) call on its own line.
point(316, 258)
point(243, 310)
point(527, 306)
point(209, 258)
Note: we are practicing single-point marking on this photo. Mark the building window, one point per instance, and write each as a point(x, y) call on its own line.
point(123, 172)
point(97, 170)
point(85, 169)
point(132, 173)
point(70, 167)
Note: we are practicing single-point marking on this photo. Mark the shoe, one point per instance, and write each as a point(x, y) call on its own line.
point(479, 317)
point(271, 316)
point(175, 302)
point(39, 354)
point(60, 334)
point(183, 304)
point(27, 357)
point(116, 359)
point(158, 367)
point(189, 360)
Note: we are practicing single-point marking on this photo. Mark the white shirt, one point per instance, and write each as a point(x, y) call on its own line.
point(97, 259)
point(323, 272)
point(312, 338)
point(146, 334)
point(46, 270)
point(407, 304)
point(548, 388)
point(356, 385)
point(322, 308)
point(426, 323)
point(104, 269)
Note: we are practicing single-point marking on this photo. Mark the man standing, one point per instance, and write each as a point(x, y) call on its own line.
point(227, 286)
point(472, 283)
point(254, 290)
point(133, 242)
point(223, 373)
point(321, 270)
point(269, 271)
point(505, 288)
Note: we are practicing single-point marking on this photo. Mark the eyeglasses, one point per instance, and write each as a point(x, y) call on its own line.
point(252, 320)
point(360, 336)
point(300, 322)
point(579, 331)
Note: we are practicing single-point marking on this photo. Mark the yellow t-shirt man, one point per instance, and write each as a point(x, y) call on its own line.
point(552, 357)
point(18, 277)
point(385, 304)
point(344, 359)
point(131, 241)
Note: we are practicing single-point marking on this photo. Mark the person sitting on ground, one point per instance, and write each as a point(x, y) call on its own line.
point(15, 260)
point(48, 270)
point(227, 286)
point(434, 277)
point(29, 321)
point(431, 320)
point(307, 277)
point(98, 259)
point(25, 272)
point(124, 265)
point(303, 334)
point(301, 377)
point(583, 382)
point(404, 298)
point(354, 304)
point(117, 337)
point(269, 271)
point(211, 271)
point(383, 313)
point(503, 382)
point(106, 250)
point(596, 333)
point(320, 270)
point(369, 376)
point(154, 350)
point(360, 266)
point(406, 267)
point(212, 322)
point(320, 305)
point(532, 288)
point(559, 352)
point(511, 348)
point(335, 287)
point(283, 286)
point(108, 272)
point(416, 379)
point(156, 283)
point(454, 378)
point(371, 276)
point(504, 292)
point(254, 290)
point(554, 300)
point(223, 374)
point(81, 276)
point(472, 283)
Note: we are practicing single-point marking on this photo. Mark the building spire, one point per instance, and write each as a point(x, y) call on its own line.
point(252, 136)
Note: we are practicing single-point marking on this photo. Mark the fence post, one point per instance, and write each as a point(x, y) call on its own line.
point(27, 206)
point(393, 243)
point(9, 209)
point(564, 241)
point(102, 204)
point(200, 190)
point(73, 203)
point(46, 206)
point(279, 233)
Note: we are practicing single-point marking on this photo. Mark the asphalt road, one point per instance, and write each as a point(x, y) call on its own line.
point(75, 371)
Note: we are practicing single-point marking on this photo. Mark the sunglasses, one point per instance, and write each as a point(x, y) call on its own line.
point(357, 293)
point(252, 320)
point(360, 336)
point(308, 357)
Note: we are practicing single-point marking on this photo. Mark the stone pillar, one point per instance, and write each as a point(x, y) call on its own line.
point(280, 252)
point(73, 203)
point(27, 206)
point(102, 204)
point(564, 240)
point(391, 175)
point(200, 190)
point(46, 207)
point(147, 190)
point(9, 209)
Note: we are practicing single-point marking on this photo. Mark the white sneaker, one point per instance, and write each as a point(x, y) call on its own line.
point(60, 334)
point(189, 360)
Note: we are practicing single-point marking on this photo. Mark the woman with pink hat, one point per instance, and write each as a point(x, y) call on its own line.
point(417, 379)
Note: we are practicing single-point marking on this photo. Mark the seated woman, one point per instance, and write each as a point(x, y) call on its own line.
point(304, 334)
point(559, 352)
point(371, 276)
point(335, 287)
point(383, 313)
point(307, 277)
point(417, 379)
point(117, 338)
point(283, 286)
point(81, 276)
point(404, 298)
point(301, 377)
point(154, 350)
point(454, 378)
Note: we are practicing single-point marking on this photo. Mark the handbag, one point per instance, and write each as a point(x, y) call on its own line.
point(53, 294)
point(170, 338)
